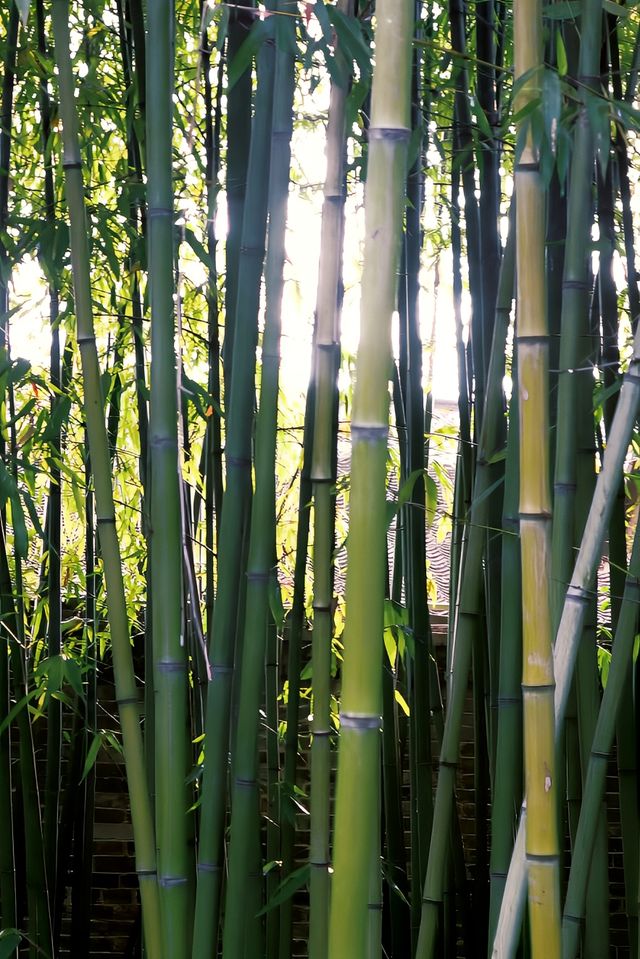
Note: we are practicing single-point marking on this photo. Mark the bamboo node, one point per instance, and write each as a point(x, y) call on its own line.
point(169, 882)
point(395, 134)
point(211, 867)
point(355, 721)
point(369, 434)
point(578, 594)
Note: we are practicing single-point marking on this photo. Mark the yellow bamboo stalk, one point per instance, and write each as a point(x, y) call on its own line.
point(542, 853)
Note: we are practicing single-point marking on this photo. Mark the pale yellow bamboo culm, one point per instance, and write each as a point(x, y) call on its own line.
point(542, 853)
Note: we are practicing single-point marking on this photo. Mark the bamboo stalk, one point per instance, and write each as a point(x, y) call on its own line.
point(8, 903)
point(361, 707)
point(323, 478)
point(571, 621)
point(126, 692)
point(222, 631)
point(169, 651)
point(237, 924)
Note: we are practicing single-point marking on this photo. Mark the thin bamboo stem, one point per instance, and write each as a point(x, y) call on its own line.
point(126, 692)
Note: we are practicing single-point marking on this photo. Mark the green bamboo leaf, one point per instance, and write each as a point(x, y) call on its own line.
point(604, 663)
point(23, 10)
point(92, 755)
point(293, 882)
point(260, 31)
point(10, 939)
point(275, 602)
point(402, 702)
point(13, 712)
point(73, 675)
point(431, 498)
point(349, 35)
point(561, 55)
point(615, 8)
point(563, 10)
point(20, 535)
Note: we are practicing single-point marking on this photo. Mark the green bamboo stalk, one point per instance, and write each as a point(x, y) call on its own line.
point(293, 639)
point(356, 815)
point(169, 651)
point(239, 415)
point(238, 146)
point(599, 751)
point(507, 791)
point(574, 308)
point(81, 886)
point(238, 927)
point(323, 478)
point(38, 915)
point(571, 622)
point(414, 511)
point(274, 817)
point(126, 692)
point(8, 904)
point(53, 525)
point(462, 631)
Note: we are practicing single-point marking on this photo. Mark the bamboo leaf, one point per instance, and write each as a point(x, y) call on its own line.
point(92, 755)
point(287, 887)
point(561, 55)
point(23, 10)
point(10, 939)
point(563, 10)
point(13, 712)
point(259, 32)
point(402, 702)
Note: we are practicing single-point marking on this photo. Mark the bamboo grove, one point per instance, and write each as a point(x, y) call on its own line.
point(222, 523)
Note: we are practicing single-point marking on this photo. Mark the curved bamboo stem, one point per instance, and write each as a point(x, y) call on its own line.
point(126, 691)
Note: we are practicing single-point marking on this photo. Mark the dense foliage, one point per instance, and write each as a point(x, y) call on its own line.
point(212, 506)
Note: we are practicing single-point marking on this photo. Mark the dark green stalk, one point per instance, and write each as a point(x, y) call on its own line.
point(238, 146)
point(54, 517)
point(241, 932)
point(169, 651)
point(293, 635)
point(468, 610)
point(82, 883)
point(126, 692)
point(274, 817)
point(480, 346)
point(239, 415)
point(574, 319)
point(323, 475)
point(8, 914)
point(12, 617)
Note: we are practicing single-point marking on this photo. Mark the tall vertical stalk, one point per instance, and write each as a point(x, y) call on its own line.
point(126, 692)
point(542, 845)
point(326, 362)
point(239, 405)
point(361, 707)
point(169, 651)
point(240, 930)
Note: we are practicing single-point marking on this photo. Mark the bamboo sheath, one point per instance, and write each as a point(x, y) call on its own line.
point(172, 761)
point(238, 927)
point(571, 621)
point(356, 815)
point(126, 691)
point(326, 362)
point(239, 416)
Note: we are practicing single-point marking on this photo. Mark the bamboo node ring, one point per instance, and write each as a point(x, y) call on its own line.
point(397, 134)
point(353, 721)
